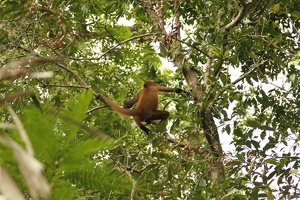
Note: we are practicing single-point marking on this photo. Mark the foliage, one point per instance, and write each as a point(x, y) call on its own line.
point(234, 136)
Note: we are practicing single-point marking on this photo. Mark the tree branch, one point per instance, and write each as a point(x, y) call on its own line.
point(155, 14)
point(69, 86)
point(182, 145)
point(193, 46)
point(11, 97)
point(117, 45)
point(236, 81)
point(20, 68)
point(96, 108)
point(94, 132)
point(239, 17)
point(77, 77)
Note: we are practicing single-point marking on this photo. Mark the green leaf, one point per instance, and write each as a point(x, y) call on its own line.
point(276, 58)
point(12, 9)
point(266, 128)
point(265, 96)
point(228, 129)
point(41, 129)
point(292, 78)
point(276, 8)
point(163, 50)
point(271, 161)
point(253, 123)
point(36, 101)
point(102, 177)
point(238, 132)
point(74, 113)
point(248, 144)
point(162, 126)
point(271, 175)
point(296, 14)
point(255, 144)
point(74, 154)
point(62, 189)
point(283, 161)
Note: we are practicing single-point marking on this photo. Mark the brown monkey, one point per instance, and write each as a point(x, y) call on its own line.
point(147, 105)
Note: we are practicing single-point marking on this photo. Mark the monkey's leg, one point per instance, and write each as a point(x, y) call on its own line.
point(157, 115)
point(138, 121)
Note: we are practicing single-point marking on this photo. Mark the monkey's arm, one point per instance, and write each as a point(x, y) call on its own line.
point(129, 103)
point(168, 89)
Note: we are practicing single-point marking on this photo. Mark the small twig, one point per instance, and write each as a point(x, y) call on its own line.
point(236, 81)
point(193, 46)
point(94, 132)
point(69, 86)
point(247, 73)
point(136, 170)
point(96, 108)
point(105, 26)
point(182, 145)
point(77, 77)
point(117, 45)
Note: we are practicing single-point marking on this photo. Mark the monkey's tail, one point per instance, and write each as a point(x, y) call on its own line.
point(118, 109)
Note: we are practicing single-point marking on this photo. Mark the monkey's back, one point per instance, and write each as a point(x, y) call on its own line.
point(148, 101)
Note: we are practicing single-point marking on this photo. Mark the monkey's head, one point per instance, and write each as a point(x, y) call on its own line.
point(148, 83)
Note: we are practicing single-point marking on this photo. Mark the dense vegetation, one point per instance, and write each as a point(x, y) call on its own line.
point(234, 136)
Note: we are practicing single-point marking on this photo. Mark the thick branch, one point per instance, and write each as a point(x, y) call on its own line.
point(239, 17)
point(156, 14)
point(208, 72)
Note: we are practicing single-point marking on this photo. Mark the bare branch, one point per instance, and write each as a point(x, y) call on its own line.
point(208, 71)
point(7, 126)
point(248, 73)
point(96, 108)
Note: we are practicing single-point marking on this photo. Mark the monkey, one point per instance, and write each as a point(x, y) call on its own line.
point(147, 105)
